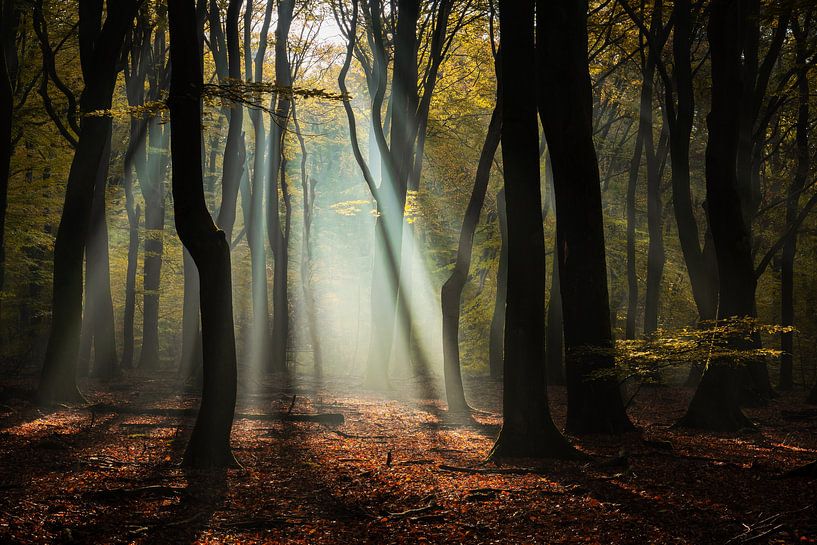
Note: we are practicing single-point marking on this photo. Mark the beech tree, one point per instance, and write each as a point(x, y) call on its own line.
point(101, 44)
point(209, 444)
point(527, 427)
point(565, 108)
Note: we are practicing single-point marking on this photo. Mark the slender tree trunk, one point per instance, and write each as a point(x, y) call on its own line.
point(153, 191)
point(632, 276)
point(209, 444)
point(234, 148)
point(555, 339)
point(275, 230)
point(565, 106)
point(527, 427)
point(98, 280)
point(792, 207)
point(9, 31)
point(496, 340)
point(58, 381)
point(451, 292)
point(715, 405)
point(130, 281)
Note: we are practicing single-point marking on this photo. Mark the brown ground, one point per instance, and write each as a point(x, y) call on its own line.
point(110, 475)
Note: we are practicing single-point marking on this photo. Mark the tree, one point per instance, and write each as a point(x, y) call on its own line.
point(565, 109)
point(279, 234)
point(451, 292)
point(715, 405)
point(209, 444)
point(100, 46)
point(527, 427)
point(801, 33)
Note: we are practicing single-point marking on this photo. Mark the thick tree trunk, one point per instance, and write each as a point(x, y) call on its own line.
point(209, 444)
point(527, 427)
point(565, 106)
point(715, 405)
point(58, 381)
point(451, 292)
point(496, 340)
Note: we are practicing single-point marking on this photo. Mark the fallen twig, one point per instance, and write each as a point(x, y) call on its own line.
point(493, 470)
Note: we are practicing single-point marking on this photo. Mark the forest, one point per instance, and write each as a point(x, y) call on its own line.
point(408, 271)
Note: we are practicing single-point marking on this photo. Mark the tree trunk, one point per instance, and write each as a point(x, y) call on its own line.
point(496, 341)
point(234, 148)
point(209, 444)
point(7, 26)
point(58, 381)
point(98, 280)
point(792, 208)
point(153, 192)
point(565, 107)
point(451, 292)
point(715, 405)
point(632, 180)
point(555, 339)
point(130, 281)
point(275, 230)
point(701, 266)
point(527, 427)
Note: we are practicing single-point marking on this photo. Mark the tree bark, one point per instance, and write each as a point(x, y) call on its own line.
point(527, 427)
point(792, 206)
point(565, 108)
point(98, 278)
point(276, 231)
point(58, 380)
point(209, 444)
point(234, 148)
point(715, 405)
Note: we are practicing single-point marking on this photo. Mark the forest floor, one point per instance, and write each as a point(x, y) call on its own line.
point(396, 471)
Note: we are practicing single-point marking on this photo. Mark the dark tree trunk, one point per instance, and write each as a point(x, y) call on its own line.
point(130, 281)
point(632, 181)
point(8, 50)
point(700, 263)
point(451, 292)
point(234, 148)
point(555, 339)
point(565, 106)
point(209, 444)
point(153, 192)
point(277, 233)
point(527, 427)
point(496, 340)
point(792, 207)
point(58, 381)
point(715, 405)
point(98, 279)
